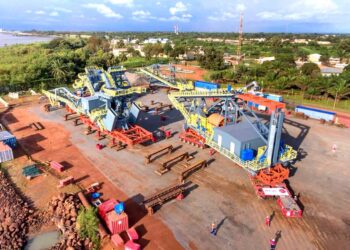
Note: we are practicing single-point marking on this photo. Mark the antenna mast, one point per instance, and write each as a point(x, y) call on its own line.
point(240, 40)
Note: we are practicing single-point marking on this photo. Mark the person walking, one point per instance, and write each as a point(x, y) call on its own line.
point(213, 229)
point(268, 220)
point(273, 244)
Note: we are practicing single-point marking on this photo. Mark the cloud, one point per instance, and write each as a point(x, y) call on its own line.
point(158, 3)
point(178, 8)
point(28, 11)
point(40, 12)
point(302, 10)
point(104, 10)
point(240, 7)
point(60, 9)
point(54, 13)
point(128, 3)
point(141, 15)
point(222, 16)
point(182, 18)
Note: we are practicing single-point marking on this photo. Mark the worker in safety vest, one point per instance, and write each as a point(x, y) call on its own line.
point(268, 220)
point(273, 244)
point(213, 229)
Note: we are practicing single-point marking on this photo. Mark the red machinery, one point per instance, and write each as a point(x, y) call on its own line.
point(192, 137)
point(134, 135)
point(273, 176)
point(285, 201)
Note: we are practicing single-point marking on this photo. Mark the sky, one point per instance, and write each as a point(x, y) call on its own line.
point(297, 16)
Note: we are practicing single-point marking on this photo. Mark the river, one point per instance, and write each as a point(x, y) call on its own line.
point(10, 39)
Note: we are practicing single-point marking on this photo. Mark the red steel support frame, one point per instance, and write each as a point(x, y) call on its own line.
point(192, 137)
point(134, 135)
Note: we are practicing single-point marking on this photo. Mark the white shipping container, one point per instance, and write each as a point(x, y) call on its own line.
point(6, 153)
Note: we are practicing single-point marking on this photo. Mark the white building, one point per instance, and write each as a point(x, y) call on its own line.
point(301, 41)
point(119, 51)
point(328, 71)
point(139, 48)
point(261, 60)
point(315, 58)
point(156, 40)
point(323, 42)
point(258, 39)
point(341, 65)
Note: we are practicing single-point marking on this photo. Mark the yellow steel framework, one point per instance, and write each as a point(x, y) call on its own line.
point(193, 119)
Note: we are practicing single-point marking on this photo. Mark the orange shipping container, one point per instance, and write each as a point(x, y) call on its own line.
point(117, 223)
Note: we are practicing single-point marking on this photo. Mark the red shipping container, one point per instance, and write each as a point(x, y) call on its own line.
point(343, 119)
point(132, 246)
point(55, 165)
point(105, 207)
point(117, 223)
point(117, 240)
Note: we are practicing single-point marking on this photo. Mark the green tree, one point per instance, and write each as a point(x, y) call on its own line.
point(324, 59)
point(302, 54)
point(168, 48)
point(120, 44)
point(87, 225)
point(58, 69)
point(310, 69)
point(340, 89)
point(212, 59)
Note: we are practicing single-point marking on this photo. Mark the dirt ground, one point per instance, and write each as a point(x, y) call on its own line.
point(53, 143)
point(221, 192)
point(189, 72)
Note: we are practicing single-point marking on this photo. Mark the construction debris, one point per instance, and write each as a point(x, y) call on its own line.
point(64, 212)
point(16, 216)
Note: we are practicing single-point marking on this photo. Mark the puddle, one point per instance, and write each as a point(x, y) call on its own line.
point(43, 241)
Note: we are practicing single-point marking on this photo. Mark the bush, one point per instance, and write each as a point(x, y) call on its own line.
point(88, 225)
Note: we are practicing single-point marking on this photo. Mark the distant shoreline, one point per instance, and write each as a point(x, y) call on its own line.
point(14, 38)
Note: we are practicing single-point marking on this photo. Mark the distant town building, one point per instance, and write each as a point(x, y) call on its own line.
point(119, 51)
point(156, 40)
point(323, 42)
point(329, 71)
point(341, 65)
point(301, 41)
point(258, 39)
point(139, 48)
point(261, 60)
point(188, 56)
point(315, 58)
point(334, 60)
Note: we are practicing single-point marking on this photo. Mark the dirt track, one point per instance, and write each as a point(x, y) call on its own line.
point(222, 192)
point(53, 143)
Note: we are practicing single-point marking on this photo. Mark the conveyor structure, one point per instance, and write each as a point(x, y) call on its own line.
point(104, 102)
point(222, 119)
